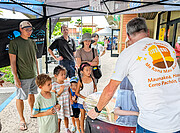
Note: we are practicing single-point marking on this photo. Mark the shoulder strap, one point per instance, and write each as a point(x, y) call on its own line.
point(93, 53)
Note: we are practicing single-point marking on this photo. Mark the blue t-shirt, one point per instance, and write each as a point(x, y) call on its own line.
point(74, 105)
point(126, 101)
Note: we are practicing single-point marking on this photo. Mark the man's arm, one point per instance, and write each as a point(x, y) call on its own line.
point(78, 62)
point(52, 54)
point(14, 69)
point(106, 96)
point(74, 53)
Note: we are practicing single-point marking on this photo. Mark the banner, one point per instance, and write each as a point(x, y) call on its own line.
point(9, 29)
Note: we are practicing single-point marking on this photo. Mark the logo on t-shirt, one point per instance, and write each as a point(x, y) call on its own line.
point(161, 56)
point(158, 57)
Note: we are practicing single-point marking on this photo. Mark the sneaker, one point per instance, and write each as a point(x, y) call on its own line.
point(74, 129)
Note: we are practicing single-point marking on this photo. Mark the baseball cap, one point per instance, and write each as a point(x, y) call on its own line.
point(25, 24)
point(74, 79)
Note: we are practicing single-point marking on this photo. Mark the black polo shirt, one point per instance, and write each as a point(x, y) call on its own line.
point(64, 47)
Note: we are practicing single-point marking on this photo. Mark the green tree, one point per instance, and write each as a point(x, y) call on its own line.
point(78, 22)
point(57, 29)
point(1, 13)
point(85, 30)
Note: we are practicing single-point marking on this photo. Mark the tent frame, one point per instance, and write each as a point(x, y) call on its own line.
point(44, 15)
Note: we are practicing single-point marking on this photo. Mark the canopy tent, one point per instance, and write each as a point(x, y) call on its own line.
point(106, 32)
point(54, 9)
point(69, 8)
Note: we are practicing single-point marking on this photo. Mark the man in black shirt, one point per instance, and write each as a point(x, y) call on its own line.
point(66, 48)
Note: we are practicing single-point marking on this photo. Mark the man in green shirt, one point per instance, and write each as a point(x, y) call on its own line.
point(24, 65)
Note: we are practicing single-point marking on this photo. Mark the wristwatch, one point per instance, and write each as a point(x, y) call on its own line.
point(96, 109)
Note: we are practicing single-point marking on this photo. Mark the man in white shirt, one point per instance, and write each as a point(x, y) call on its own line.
point(152, 68)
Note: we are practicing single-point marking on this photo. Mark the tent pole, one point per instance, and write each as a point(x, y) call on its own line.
point(45, 39)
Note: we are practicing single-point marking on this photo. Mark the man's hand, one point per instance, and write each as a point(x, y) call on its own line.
point(59, 58)
point(17, 82)
point(92, 114)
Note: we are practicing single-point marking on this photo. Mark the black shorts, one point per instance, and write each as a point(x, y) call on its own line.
point(76, 112)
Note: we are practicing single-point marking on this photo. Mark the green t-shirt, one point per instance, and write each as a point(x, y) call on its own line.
point(47, 124)
point(25, 51)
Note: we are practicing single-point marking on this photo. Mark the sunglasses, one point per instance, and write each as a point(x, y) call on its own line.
point(27, 30)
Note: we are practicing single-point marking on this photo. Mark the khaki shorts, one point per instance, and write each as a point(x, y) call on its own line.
point(28, 87)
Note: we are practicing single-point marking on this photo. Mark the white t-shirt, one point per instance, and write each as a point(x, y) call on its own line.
point(155, 83)
point(100, 50)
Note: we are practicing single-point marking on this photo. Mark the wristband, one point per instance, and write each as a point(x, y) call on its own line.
point(96, 109)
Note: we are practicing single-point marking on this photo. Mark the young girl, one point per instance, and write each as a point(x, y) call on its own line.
point(126, 106)
point(85, 87)
point(62, 90)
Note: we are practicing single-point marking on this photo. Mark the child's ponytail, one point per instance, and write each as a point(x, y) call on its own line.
point(80, 79)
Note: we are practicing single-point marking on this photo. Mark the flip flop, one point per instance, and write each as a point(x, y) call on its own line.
point(22, 126)
point(32, 117)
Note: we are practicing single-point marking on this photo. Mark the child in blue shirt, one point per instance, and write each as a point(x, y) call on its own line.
point(126, 106)
point(75, 105)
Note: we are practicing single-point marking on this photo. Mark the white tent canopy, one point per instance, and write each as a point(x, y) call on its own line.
point(106, 32)
point(72, 8)
point(83, 8)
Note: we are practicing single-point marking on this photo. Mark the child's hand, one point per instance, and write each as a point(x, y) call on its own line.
point(71, 101)
point(74, 98)
point(62, 87)
point(58, 107)
point(51, 111)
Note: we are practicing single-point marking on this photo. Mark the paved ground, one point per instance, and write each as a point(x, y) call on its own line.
point(9, 116)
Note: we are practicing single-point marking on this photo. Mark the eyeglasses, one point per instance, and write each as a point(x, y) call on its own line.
point(27, 30)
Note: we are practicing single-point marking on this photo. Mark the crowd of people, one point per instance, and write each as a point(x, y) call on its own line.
point(147, 71)
point(63, 98)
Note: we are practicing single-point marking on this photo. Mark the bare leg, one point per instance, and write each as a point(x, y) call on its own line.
point(66, 122)
point(31, 100)
point(20, 109)
point(73, 121)
point(59, 125)
point(82, 120)
point(77, 123)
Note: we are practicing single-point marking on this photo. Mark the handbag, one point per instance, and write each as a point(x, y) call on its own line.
point(96, 71)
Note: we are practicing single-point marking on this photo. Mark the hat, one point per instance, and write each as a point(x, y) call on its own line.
point(74, 79)
point(86, 36)
point(25, 24)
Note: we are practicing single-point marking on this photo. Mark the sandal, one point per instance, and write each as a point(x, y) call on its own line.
point(22, 126)
point(32, 117)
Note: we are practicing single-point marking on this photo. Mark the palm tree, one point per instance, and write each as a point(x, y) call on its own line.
point(78, 22)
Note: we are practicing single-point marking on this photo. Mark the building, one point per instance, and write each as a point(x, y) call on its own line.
point(161, 25)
